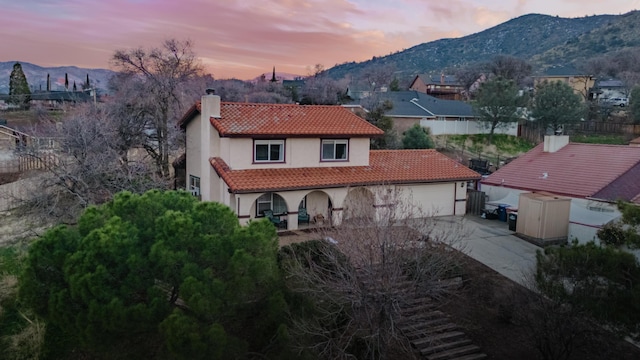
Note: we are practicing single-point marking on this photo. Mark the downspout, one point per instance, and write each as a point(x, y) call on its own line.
point(455, 197)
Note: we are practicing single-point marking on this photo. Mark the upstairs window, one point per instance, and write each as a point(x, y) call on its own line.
point(335, 150)
point(268, 151)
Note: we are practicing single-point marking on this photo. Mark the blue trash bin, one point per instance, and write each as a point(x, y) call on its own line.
point(502, 212)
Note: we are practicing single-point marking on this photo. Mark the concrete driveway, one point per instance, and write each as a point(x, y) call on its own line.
point(493, 244)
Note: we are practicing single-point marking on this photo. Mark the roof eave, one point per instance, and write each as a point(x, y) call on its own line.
point(288, 136)
point(188, 116)
point(367, 183)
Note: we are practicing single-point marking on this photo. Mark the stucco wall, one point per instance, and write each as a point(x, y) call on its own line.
point(299, 152)
point(429, 199)
point(193, 149)
point(420, 200)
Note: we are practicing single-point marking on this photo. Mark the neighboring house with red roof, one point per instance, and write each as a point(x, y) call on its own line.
point(285, 157)
point(595, 176)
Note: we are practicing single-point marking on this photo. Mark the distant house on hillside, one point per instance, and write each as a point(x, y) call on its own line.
point(443, 86)
point(580, 83)
point(441, 116)
point(611, 92)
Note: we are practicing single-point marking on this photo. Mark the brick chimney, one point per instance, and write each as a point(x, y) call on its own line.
point(442, 78)
point(553, 143)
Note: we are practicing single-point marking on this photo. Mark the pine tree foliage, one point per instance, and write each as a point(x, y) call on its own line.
point(156, 275)
point(87, 84)
point(496, 104)
point(417, 137)
point(377, 117)
point(19, 92)
point(601, 283)
point(556, 105)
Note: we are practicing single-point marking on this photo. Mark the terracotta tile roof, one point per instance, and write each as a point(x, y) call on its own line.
point(249, 119)
point(244, 119)
point(577, 170)
point(386, 166)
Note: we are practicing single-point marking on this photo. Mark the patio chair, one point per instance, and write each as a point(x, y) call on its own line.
point(303, 216)
point(274, 219)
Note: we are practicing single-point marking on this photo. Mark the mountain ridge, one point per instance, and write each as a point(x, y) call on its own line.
point(544, 40)
point(526, 37)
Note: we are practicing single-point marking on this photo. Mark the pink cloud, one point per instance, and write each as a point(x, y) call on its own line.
point(242, 39)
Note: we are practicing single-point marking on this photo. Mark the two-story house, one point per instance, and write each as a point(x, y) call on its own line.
point(581, 83)
point(289, 158)
point(445, 87)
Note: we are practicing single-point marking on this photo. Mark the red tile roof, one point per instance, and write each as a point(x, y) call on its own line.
point(290, 120)
point(577, 170)
point(386, 167)
point(625, 187)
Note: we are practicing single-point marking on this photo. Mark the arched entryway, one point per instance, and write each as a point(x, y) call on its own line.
point(318, 205)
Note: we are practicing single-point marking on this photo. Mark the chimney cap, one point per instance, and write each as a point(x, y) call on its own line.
point(210, 91)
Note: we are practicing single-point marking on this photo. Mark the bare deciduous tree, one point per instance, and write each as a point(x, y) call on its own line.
point(367, 273)
point(163, 74)
point(86, 161)
point(509, 67)
point(468, 76)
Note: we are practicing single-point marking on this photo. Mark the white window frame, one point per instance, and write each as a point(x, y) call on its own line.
point(194, 185)
point(269, 144)
point(335, 143)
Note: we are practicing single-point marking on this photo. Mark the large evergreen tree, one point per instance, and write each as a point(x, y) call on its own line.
point(87, 84)
point(19, 93)
point(556, 105)
point(496, 104)
point(157, 275)
point(377, 117)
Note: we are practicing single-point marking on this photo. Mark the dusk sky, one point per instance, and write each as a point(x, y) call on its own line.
point(243, 39)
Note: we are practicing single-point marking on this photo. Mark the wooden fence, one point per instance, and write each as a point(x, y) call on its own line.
point(605, 127)
point(475, 202)
point(22, 163)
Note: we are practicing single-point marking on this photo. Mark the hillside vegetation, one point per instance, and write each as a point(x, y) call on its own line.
point(547, 39)
point(620, 32)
